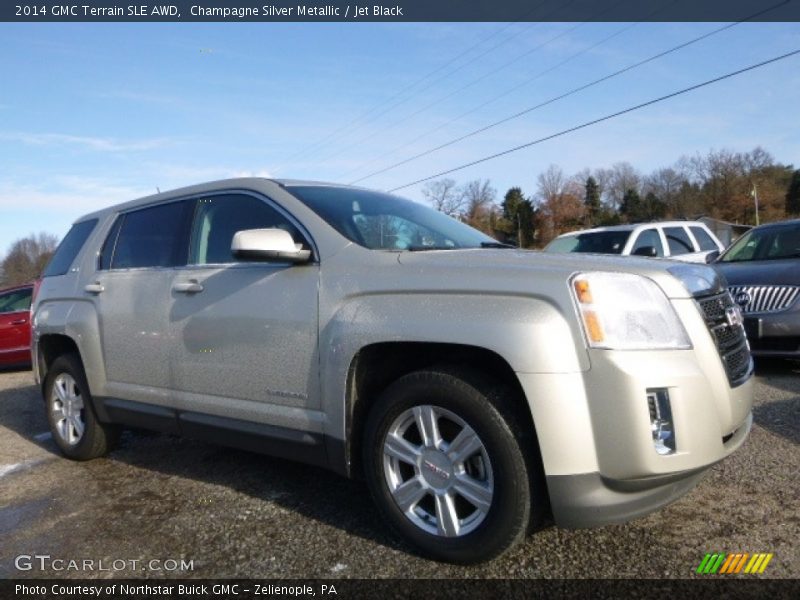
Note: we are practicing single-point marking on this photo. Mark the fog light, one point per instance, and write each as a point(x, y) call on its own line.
point(661, 426)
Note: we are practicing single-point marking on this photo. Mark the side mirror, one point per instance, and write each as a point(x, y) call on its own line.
point(649, 251)
point(712, 256)
point(269, 245)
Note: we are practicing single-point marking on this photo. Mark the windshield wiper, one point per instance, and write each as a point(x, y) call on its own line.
point(423, 248)
point(496, 245)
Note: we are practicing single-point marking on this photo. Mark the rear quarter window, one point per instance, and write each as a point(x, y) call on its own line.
point(678, 241)
point(703, 239)
point(69, 248)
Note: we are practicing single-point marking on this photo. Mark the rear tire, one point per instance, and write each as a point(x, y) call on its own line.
point(446, 464)
point(73, 422)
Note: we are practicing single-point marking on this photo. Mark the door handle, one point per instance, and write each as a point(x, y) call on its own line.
point(94, 288)
point(20, 322)
point(188, 287)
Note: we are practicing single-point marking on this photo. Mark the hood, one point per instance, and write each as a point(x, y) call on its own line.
point(490, 265)
point(761, 272)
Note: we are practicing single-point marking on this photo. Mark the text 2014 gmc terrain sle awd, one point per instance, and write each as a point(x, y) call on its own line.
point(476, 387)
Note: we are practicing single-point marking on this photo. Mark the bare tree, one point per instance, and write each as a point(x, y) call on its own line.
point(561, 205)
point(623, 177)
point(27, 258)
point(479, 199)
point(665, 184)
point(445, 196)
point(551, 184)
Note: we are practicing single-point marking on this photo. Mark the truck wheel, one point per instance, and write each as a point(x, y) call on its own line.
point(73, 423)
point(445, 467)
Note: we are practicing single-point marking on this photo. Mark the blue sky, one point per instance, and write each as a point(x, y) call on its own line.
point(94, 114)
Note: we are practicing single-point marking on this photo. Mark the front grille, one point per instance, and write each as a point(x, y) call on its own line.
point(764, 298)
point(728, 333)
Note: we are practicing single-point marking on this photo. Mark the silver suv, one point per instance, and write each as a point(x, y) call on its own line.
point(476, 387)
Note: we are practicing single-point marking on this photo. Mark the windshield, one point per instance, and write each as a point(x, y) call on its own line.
point(383, 222)
point(770, 243)
point(598, 242)
point(566, 243)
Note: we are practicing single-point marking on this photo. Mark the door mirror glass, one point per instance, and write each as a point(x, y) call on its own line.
point(268, 245)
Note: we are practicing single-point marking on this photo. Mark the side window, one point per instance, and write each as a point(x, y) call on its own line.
point(649, 237)
point(218, 218)
point(16, 301)
point(678, 240)
point(703, 239)
point(68, 248)
point(107, 252)
point(152, 237)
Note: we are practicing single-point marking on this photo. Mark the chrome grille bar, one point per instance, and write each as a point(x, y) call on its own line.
point(765, 298)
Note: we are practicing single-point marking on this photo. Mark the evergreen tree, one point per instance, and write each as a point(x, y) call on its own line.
point(518, 216)
point(632, 207)
point(654, 208)
point(592, 202)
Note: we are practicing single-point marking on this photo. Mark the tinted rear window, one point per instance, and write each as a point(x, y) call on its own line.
point(602, 242)
point(152, 237)
point(68, 248)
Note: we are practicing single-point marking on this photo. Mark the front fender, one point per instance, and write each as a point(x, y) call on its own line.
point(530, 334)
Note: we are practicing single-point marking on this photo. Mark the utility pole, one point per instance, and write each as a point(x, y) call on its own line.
point(754, 193)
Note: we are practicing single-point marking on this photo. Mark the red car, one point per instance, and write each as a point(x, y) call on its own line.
point(15, 325)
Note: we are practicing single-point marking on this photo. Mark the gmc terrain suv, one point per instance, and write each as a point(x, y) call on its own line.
point(476, 387)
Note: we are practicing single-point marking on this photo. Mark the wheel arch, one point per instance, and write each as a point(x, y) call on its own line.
point(377, 365)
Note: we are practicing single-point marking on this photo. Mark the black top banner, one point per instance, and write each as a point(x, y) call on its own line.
point(400, 10)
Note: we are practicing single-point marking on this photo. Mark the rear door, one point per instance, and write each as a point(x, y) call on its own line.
point(131, 289)
point(15, 328)
point(681, 245)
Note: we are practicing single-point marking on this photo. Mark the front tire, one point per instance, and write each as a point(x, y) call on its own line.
point(73, 423)
point(446, 464)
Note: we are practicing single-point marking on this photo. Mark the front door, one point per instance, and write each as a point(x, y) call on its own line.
point(244, 334)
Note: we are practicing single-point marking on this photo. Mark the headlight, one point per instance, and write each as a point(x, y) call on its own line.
point(622, 311)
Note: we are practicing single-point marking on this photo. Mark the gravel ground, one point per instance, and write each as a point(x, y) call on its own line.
point(236, 514)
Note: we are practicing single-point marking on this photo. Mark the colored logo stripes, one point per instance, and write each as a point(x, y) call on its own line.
point(727, 564)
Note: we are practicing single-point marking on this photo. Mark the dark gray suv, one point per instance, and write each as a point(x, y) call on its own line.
point(763, 272)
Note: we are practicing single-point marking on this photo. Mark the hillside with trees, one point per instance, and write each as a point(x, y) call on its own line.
point(721, 184)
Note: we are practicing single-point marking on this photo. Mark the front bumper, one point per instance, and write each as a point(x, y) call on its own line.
point(595, 434)
point(774, 334)
point(592, 500)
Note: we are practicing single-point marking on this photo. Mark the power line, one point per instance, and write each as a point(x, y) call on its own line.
point(503, 95)
point(449, 95)
point(555, 98)
point(494, 71)
point(601, 119)
point(360, 120)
